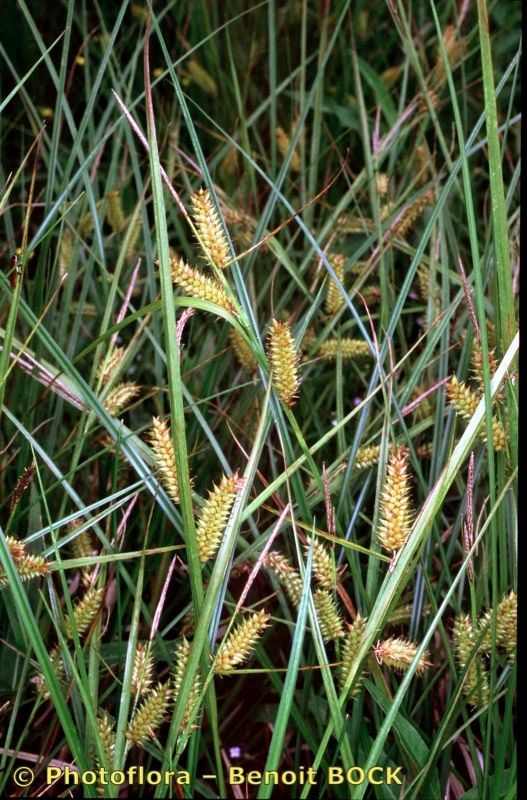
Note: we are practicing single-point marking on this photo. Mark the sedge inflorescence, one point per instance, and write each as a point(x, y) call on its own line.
point(350, 649)
point(26, 564)
point(396, 513)
point(334, 298)
point(465, 401)
point(211, 234)
point(399, 653)
point(282, 353)
point(215, 514)
point(150, 714)
point(345, 347)
point(287, 575)
point(200, 286)
point(240, 644)
point(181, 655)
point(164, 456)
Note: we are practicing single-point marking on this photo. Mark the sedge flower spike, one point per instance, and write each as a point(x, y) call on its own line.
point(114, 211)
point(16, 547)
point(334, 298)
point(286, 574)
point(165, 458)
point(465, 401)
point(350, 648)
point(283, 143)
point(150, 715)
point(322, 565)
point(85, 611)
point(119, 397)
point(57, 666)
point(215, 514)
point(243, 351)
point(28, 566)
point(505, 620)
point(398, 654)
point(211, 234)
point(239, 645)
point(200, 286)
point(328, 615)
point(110, 363)
point(284, 361)
point(347, 349)
point(476, 682)
point(181, 655)
point(395, 521)
point(106, 729)
point(143, 670)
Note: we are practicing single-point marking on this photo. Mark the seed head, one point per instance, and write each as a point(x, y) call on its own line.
point(395, 520)
point(109, 364)
point(119, 397)
point(200, 286)
point(424, 450)
point(349, 223)
point(106, 729)
point(349, 651)
point(239, 645)
point(421, 164)
point(199, 75)
point(133, 236)
point(403, 614)
point(243, 351)
point(367, 456)
point(383, 182)
point(181, 655)
point(21, 485)
point(499, 435)
point(16, 547)
point(165, 458)
point(32, 567)
point(323, 569)
point(334, 299)
point(328, 615)
point(456, 48)
point(465, 401)
point(143, 670)
point(114, 211)
point(287, 575)
point(390, 76)
point(284, 361)
point(283, 142)
point(82, 547)
point(506, 622)
point(348, 349)
point(404, 222)
point(371, 294)
point(215, 514)
point(65, 251)
point(238, 218)
point(57, 666)
point(150, 714)
point(477, 362)
point(85, 612)
point(476, 683)
point(398, 653)
point(212, 237)
point(28, 567)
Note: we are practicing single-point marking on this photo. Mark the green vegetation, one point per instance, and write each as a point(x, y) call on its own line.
point(258, 395)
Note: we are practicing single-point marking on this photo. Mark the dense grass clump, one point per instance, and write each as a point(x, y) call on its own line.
point(258, 396)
